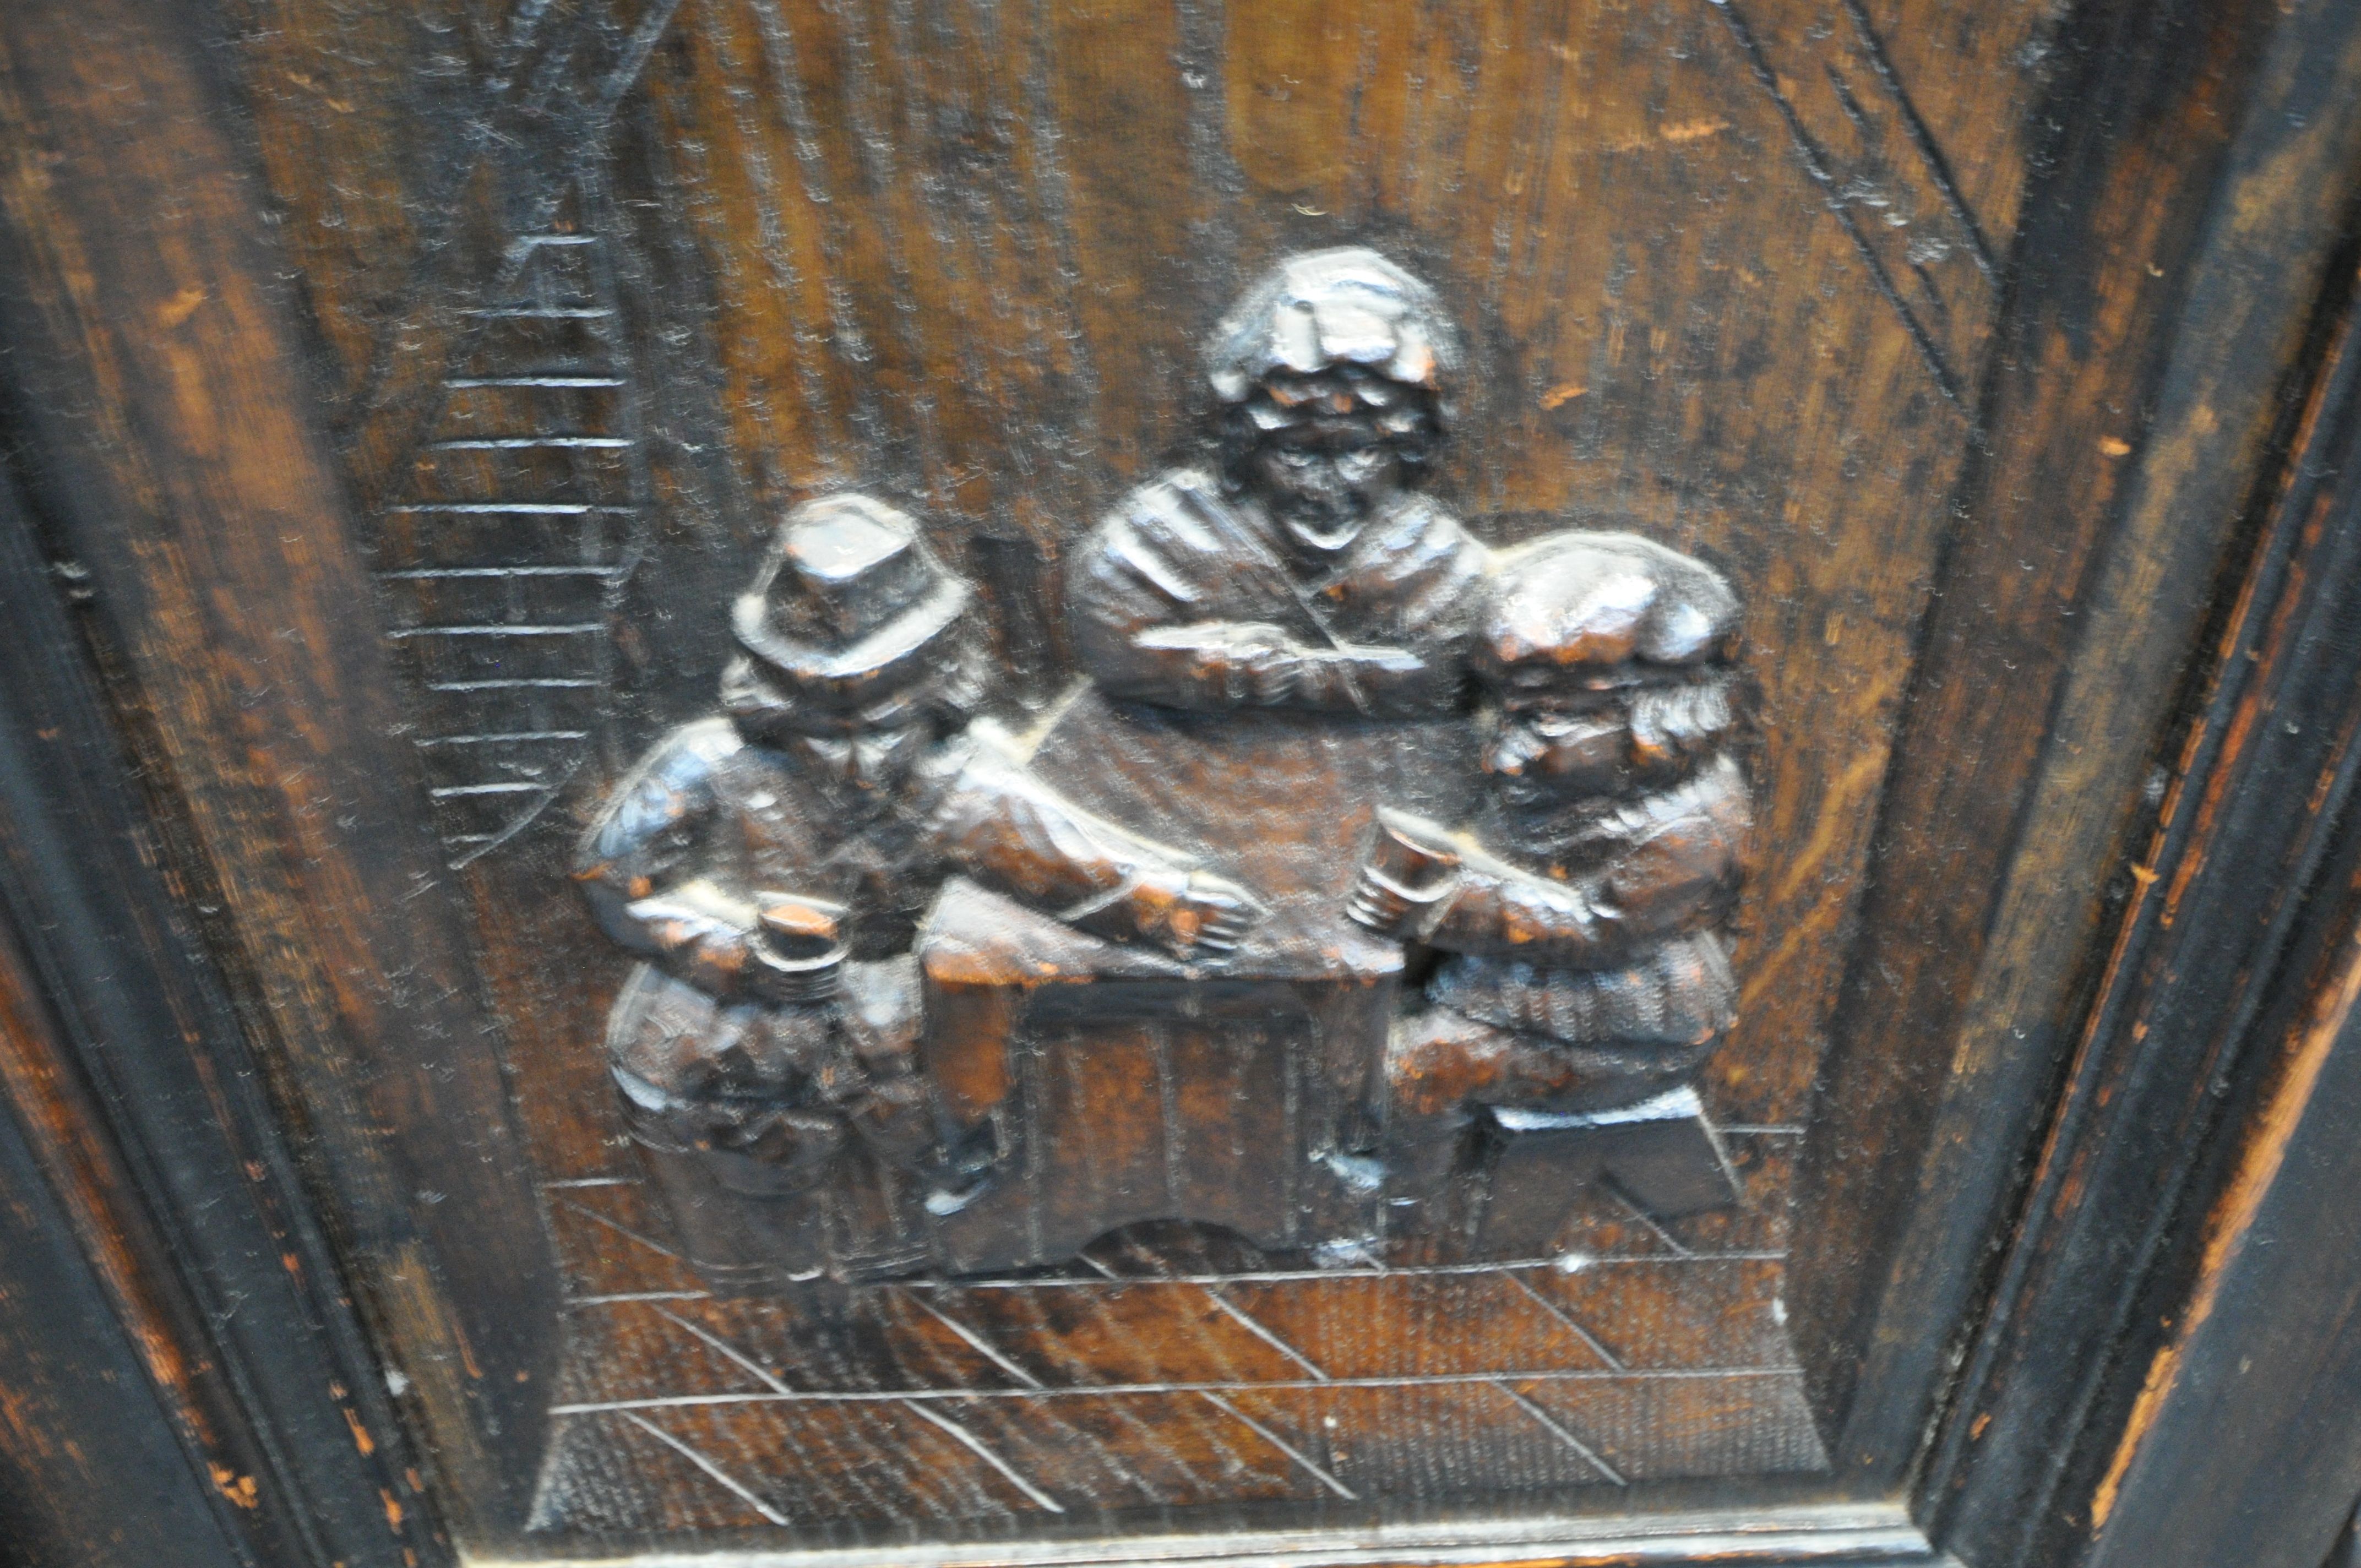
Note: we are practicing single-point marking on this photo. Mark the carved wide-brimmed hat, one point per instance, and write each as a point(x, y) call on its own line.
point(1572, 608)
point(1334, 309)
point(849, 606)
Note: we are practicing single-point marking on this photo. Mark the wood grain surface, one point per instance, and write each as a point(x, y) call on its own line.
point(1725, 268)
point(123, 1059)
point(412, 383)
point(2201, 1071)
point(1159, 1372)
point(152, 364)
point(100, 1430)
point(1729, 271)
point(2169, 272)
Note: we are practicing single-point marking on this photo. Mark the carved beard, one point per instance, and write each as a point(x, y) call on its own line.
point(872, 763)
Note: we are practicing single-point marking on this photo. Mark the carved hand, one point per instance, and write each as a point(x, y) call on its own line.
point(1355, 678)
point(1190, 914)
point(1212, 915)
point(1256, 666)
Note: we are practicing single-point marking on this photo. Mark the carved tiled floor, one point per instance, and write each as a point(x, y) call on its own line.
point(1154, 1376)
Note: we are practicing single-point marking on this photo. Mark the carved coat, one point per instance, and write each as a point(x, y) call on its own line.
point(1595, 980)
point(1610, 950)
point(710, 819)
point(1166, 595)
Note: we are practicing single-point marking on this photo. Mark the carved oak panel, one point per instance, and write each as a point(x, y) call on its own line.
point(1227, 671)
point(1089, 781)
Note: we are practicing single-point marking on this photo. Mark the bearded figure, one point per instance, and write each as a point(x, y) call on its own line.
point(1580, 917)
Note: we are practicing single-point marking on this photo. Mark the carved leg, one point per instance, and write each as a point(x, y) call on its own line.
point(1440, 1066)
point(739, 1241)
point(877, 1227)
point(895, 1106)
point(1446, 1071)
point(735, 1170)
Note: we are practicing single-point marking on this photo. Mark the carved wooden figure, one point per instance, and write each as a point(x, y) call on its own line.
point(1207, 990)
point(772, 864)
point(1301, 623)
point(1233, 981)
point(1309, 573)
point(1585, 980)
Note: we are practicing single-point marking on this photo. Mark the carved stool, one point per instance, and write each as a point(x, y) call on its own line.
point(1663, 1155)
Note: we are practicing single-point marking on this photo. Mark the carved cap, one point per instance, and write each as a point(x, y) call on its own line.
point(1573, 607)
point(848, 605)
point(1329, 309)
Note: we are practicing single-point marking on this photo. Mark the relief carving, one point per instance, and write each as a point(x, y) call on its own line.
point(771, 866)
point(1372, 886)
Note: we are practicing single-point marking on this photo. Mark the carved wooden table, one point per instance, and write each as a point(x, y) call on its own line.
point(1101, 1065)
point(1166, 1366)
point(396, 395)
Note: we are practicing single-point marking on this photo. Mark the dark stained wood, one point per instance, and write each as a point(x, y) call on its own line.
point(964, 254)
point(2226, 977)
point(123, 1055)
point(152, 371)
point(966, 257)
point(2173, 255)
point(92, 1469)
point(1955, 334)
point(1156, 1374)
point(2240, 1442)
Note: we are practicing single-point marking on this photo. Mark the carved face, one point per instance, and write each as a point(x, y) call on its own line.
point(878, 749)
point(876, 759)
point(1325, 451)
point(1625, 735)
point(1547, 754)
point(1325, 479)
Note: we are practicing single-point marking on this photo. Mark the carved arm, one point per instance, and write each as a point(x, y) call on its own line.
point(1013, 833)
point(643, 865)
point(1224, 664)
point(1141, 595)
point(1663, 863)
point(1421, 883)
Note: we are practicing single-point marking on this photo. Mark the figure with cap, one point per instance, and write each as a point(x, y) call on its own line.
point(1309, 572)
point(1585, 976)
point(771, 866)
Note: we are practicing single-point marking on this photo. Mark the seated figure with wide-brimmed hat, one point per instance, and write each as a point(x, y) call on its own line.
point(771, 866)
